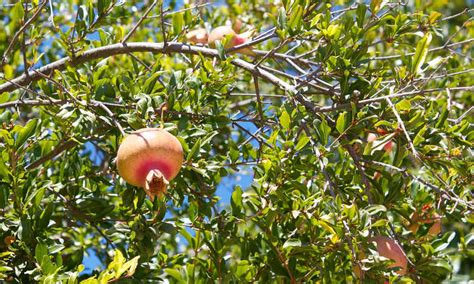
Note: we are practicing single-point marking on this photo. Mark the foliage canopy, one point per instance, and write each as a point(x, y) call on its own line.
point(350, 118)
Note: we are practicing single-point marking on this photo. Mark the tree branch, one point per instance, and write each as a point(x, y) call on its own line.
point(118, 48)
point(64, 146)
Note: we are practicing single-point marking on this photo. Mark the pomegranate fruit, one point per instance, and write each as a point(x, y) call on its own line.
point(389, 248)
point(150, 158)
point(197, 36)
point(233, 39)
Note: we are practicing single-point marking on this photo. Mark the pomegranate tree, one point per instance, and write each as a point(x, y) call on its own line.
point(150, 158)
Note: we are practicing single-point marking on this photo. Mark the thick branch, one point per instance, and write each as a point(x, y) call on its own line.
point(118, 48)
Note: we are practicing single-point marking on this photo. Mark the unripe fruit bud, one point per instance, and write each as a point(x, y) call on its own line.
point(389, 248)
point(149, 158)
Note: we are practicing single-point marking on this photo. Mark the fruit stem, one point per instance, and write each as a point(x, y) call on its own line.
point(155, 184)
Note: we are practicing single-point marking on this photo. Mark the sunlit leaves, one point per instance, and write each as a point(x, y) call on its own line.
point(25, 132)
point(115, 270)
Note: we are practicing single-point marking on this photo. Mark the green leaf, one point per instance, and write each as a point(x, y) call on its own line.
point(323, 131)
point(175, 274)
point(17, 13)
point(135, 122)
point(376, 5)
point(129, 267)
point(236, 201)
point(295, 19)
point(194, 150)
point(45, 216)
point(341, 122)
point(103, 5)
point(403, 105)
point(442, 119)
point(302, 141)
point(420, 53)
point(5, 116)
point(282, 18)
point(150, 82)
point(420, 136)
point(220, 50)
point(26, 132)
point(360, 12)
point(379, 223)
point(41, 251)
point(4, 170)
point(117, 263)
point(178, 23)
point(285, 120)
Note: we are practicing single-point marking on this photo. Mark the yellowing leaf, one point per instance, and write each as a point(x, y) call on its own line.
point(131, 265)
point(116, 264)
point(334, 238)
point(434, 16)
point(420, 53)
point(91, 280)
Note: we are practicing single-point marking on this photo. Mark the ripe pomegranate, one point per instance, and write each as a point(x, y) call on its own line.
point(150, 158)
point(389, 248)
point(233, 39)
point(197, 36)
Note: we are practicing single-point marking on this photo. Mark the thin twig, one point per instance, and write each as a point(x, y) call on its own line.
point(64, 146)
point(463, 12)
point(357, 161)
point(360, 103)
point(402, 125)
point(430, 50)
point(459, 119)
point(167, 13)
point(251, 42)
point(274, 50)
point(124, 40)
point(20, 31)
point(118, 48)
point(112, 116)
point(259, 100)
point(162, 19)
